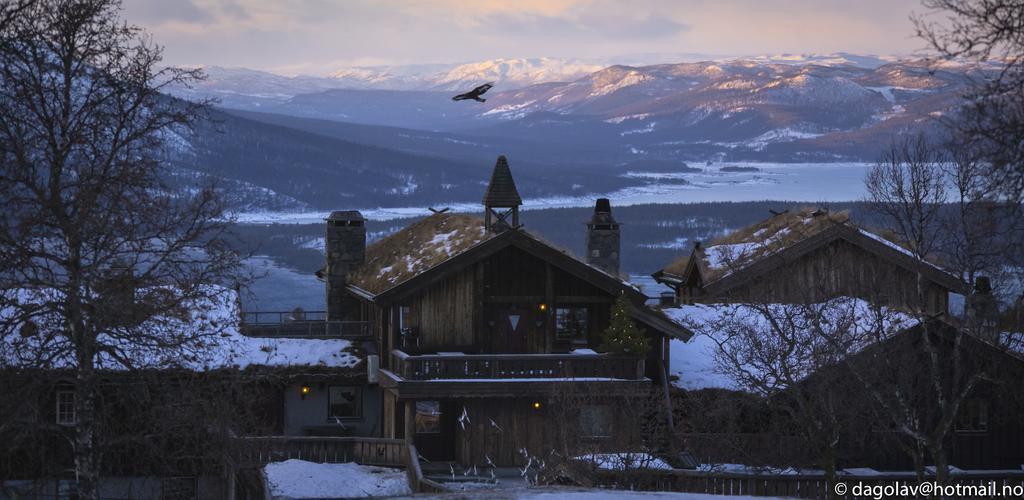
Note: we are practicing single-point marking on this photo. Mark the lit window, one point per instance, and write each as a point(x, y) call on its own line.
point(571, 324)
point(596, 421)
point(973, 416)
point(66, 407)
point(428, 417)
point(344, 402)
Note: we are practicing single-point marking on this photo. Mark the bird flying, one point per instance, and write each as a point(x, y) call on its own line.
point(475, 93)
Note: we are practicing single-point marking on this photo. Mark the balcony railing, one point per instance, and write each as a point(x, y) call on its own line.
point(261, 450)
point(305, 324)
point(464, 367)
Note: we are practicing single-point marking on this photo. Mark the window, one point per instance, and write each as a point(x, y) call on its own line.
point(344, 402)
point(428, 417)
point(571, 324)
point(973, 416)
point(66, 407)
point(404, 317)
point(596, 421)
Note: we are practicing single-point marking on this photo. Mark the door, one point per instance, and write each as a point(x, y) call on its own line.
point(512, 325)
point(435, 430)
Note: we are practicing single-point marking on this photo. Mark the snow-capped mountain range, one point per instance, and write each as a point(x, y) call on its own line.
point(303, 137)
point(245, 88)
point(242, 87)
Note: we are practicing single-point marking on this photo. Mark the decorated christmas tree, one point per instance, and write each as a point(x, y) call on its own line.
point(622, 335)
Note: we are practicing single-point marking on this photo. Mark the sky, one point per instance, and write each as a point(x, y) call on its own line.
point(316, 37)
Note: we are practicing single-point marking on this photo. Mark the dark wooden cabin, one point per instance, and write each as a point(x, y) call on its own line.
point(807, 256)
point(479, 323)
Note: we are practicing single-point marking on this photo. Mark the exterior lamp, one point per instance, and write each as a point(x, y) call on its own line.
point(543, 307)
point(536, 405)
point(304, 391)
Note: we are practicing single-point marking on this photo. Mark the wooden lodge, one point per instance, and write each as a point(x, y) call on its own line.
point(479, 322)
point(806, 256)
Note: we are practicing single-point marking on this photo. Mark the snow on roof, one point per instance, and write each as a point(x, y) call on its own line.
point(301, 479)
point(694, 363)
point(420, 246)
point(209, 337)
point(1013, 342)
point(742, 247)
point(427, 243)
point(824, 332)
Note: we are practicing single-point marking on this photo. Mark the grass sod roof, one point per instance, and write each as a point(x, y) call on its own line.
point(743, 247)
point(417, 248)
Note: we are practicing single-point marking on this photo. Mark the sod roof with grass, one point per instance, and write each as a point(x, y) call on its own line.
point(743, 247)
point(416, 248)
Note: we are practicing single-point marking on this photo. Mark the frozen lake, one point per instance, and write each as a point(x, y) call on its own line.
point(281, 289)
point(278, 288)
point(811, 182)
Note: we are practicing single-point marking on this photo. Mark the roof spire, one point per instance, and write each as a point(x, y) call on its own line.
point(501, 194)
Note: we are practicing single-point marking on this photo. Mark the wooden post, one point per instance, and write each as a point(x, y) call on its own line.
point(410, 420)
point(231, 480)
point(549, 299)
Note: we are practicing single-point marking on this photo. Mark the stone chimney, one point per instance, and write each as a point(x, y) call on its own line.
point(501, 201)
point(984, 312)
point(603, 238)
point(345, 245)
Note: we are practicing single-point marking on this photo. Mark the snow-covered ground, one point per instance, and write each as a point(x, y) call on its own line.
point(208, 337)
point(622, 461)
point(826, 182)
point(295, 479)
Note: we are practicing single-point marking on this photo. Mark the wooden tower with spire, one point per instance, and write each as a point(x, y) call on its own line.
point(501, 201)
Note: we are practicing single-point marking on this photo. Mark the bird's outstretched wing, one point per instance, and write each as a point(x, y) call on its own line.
point(475, 93)
point(483, 88)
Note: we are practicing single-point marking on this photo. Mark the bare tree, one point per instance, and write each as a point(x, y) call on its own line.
point(102, 265)
point(992, 117)
point(908, 188)
point(11, 8)
point(787, 354)
point(970, 235)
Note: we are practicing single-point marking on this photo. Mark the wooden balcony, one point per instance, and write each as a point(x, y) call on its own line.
point(436, 375)
point(304, 325)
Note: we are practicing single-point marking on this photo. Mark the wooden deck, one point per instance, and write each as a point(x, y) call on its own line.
point(465, 367)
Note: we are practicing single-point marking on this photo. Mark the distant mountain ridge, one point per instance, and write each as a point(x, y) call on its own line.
point(242, 86)
point(739, 109)
point(299, 142)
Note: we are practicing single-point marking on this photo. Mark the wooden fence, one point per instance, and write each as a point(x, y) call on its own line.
point(782, 485)
point(261, 450)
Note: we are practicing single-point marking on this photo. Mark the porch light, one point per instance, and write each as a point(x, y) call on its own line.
point(543, 307)
point(304, 391)
point(536, 405)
